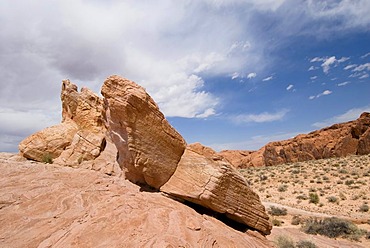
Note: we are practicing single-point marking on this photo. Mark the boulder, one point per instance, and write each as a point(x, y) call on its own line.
point(48, 143)
point(214, 184)
point(149, 148)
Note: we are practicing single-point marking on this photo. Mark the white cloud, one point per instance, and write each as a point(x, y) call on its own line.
point(260, 118)
point(343, 59)
point(324, 93)
point(364, 76)
point(235, 75)
point(290, 86)
point(348, 67)
point(327, 63)
point(365, 55)
point(268, 78)
point(252, 75)
point(317, 59)
point(344, 83)
point(255, 142)
point(362, 67)
point(312, 68)
point(351, 114)
point(313, 77)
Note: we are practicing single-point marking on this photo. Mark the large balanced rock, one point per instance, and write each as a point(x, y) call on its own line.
point(338, 140)
point(214, 184)
point(148, 146)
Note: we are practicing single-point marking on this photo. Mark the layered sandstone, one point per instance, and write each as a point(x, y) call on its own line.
point(213, 183)
point(81, 140)
point(338, 140)
point(52, 206)
point(126, 130)
point(149, 147)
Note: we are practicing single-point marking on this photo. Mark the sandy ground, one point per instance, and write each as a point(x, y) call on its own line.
point(341, 184)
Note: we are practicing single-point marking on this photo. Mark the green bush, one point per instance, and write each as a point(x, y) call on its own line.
point(284, 242)
point(276, 222)
point(333, 227)
point(364, 208)
point(47, 158)
point(296, 220)
point(306, 244)
point(276, 211)
point(282, 188)
point(332, 199)
point(314, 198)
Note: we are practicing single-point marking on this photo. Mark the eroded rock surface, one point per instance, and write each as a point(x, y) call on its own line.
point(81, 139)
point(214, 184)
point(149, 147)
point(52, 206)
point(338, 140)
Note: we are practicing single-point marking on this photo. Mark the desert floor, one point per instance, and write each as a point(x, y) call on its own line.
point(339, 187)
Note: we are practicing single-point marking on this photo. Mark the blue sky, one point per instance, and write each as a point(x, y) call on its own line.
point(230, 74)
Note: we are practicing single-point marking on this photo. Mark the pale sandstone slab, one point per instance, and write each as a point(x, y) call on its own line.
point(149, 147)
point(216, 185)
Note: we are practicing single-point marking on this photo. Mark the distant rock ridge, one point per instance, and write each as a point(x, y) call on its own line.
point(124, 133)
point(338, 140)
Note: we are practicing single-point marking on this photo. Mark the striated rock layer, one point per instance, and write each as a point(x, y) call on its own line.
point(49, 206)
point(338, 140)
point(149, 147)
point(216, 185)
point(127, 131)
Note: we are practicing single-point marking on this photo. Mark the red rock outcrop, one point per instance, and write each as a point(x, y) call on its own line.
point(53, 206)
point(127, 131)
point(338, 140)
point(149, 147)
point(213, 183)
point(81, 140)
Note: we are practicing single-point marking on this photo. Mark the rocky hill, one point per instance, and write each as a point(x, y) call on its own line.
point(338, 140)
point(125, 136)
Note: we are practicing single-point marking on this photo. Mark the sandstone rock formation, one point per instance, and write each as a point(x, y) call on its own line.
point(216, 185)
point(81, 139)
point(149, 147)
point(126, 130)
point(338, 140)
point(52, 206)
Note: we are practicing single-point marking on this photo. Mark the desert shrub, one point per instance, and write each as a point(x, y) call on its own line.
point(306, 244)
point(364, 208)
point(349, 182)
point(284, 242)
point(276, 211)
point(314, 198)
point(296, 220)
point(367, 235)
point(47, 158)
point(302, 197)
point(282, 187)
point(333, 227)
point(332, 199)
point(276, 222)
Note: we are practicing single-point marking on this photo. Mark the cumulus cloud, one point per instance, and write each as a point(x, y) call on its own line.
point(349, 67)
point(252, 75)
point(365, 55)
point(362, 67)
point(349, 115)
point(268, 78)
point(344, 83)
point(260, 118)
point(327, 63)
point(324, 93)
point(290, 86)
